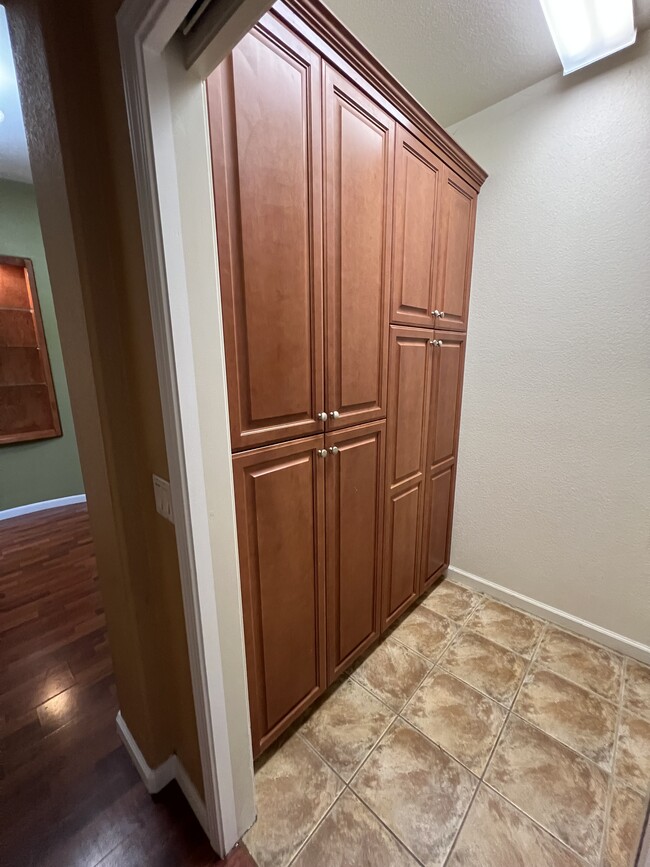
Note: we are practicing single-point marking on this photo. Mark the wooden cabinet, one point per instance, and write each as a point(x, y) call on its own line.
point(345, 220)
point(418, 182)
point(279, 495)
point(354, 512)
point(408, 411)
point(358, 153)
point(458, 216)
point(264, 104)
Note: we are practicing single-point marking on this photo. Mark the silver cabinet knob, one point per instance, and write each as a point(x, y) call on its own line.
point(334, 450)
point(322, 416)
point(435, 313)
point(322, 453)
point(440, 343)
point(433, 343)
point(441, 314)
point(335, 414)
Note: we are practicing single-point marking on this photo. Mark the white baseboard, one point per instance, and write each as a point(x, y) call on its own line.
point(562, 618)
point(17, 511)
point(156, 779)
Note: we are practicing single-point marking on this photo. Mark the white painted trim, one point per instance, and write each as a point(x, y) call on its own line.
point(145, 27)
point(17, 511)
point(562, 618)
point(155, 779)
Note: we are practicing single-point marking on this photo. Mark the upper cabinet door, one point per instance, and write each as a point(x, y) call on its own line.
point(279, 495)
point(358, 153)
point(264, 104)
point(418, 179)
point(354, 507)
point(458, 216)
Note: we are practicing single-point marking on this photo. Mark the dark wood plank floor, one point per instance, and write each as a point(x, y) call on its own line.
point(70, 794)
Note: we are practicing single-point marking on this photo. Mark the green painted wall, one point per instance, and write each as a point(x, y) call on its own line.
point(46, 469)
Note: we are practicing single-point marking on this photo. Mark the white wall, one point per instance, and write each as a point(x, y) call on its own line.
point(553, 494)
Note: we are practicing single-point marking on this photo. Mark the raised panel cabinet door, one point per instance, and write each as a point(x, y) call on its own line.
point(280, 503)
point(454, 271)
point(446, 395)
point(415, 232)
point(264, 108)
point(402, 547)
point(358, 153)
point(437, 524)
point(354, 507)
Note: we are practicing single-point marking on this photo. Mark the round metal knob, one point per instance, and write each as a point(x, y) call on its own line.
point(322, 453)
point(441, 314)
point(334, 450)
point(433, 343)
point(322, 416)
point(335, 414)
point(435, 313)
point(440, 343)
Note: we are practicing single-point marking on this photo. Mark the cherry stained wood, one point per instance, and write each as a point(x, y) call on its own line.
point(406, 456)
point(354, 509)
point(28, 407)
point(358, 165)
point(70, 793)
point(280, 503)
point(445, 395)
point(415, 235)
point(457, 246)
point(437, 523)
point(264, 105)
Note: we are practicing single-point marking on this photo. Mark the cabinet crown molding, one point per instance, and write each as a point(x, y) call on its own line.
point(333, 32)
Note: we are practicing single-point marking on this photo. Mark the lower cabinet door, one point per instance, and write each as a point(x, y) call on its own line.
point(402, 536)
point(354, 502)
point(437, 523)
point(279, 495)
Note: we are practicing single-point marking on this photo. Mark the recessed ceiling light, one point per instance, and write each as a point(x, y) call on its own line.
point(588, 30)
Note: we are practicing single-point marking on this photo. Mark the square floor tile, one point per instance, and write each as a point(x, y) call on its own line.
point(425, 632)
point(624, 827)
point(495, 834)
point(556, 787)
point(581, 661)
point(489, 667)
point(451, 600)
point(346, 726)
point(417, 791)
point(458, 718)
point(294, 789)
point(392, 672)
point(507, 626)
point(632, 765)
point(636, 696)
point(352, 836)
point(579, 718)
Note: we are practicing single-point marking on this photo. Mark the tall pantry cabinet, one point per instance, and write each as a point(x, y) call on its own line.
point(345, 221)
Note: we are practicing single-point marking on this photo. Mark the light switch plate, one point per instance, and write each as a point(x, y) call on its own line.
point(163, 496)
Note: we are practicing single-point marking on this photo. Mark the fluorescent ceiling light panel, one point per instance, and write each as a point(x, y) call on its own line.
point(588, 30)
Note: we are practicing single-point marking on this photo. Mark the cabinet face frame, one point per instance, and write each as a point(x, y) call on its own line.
point(223, 105)
point(351, 437)
point(42, 362)
point(340, 96)
point(266, 460)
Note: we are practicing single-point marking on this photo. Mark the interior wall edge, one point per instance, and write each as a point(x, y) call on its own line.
point(610, 639)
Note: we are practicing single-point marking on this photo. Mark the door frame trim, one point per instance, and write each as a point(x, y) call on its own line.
point(145, 29)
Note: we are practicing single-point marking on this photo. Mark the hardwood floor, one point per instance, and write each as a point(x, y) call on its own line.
point(70, 794)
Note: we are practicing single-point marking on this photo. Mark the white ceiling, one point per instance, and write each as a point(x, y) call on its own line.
point(14, 160)
point(458, 57)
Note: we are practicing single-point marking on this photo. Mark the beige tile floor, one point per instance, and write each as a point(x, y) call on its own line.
point(474, 735)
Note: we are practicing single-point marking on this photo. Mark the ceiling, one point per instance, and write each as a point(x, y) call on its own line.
point(458, 57)
point(14, 160)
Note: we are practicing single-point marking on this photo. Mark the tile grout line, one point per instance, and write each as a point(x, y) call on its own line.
point(610, 784)
point(292, 858)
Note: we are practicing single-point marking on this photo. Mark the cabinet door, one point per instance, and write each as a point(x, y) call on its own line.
point(446, 395)
point(437, 523)
point(359, 145)
point(279, 495)
point(415, 233)
point(458, 216)
point(354, 503)
point(408, 408)
point(264, 103)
